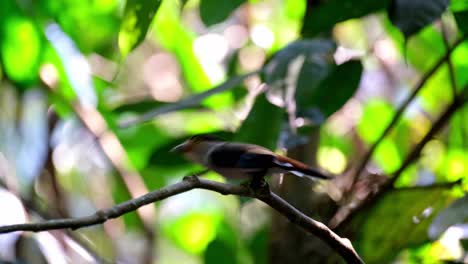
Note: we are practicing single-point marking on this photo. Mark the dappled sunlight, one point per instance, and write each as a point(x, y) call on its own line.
point(332, 159)
point(262, 36)
point(161, 74)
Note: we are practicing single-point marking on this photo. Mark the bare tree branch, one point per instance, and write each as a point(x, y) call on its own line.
point(443, 119)
point(363, 163)
point(189, 102)
point(341, 245)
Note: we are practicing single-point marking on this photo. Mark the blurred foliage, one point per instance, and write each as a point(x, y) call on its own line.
point(343, 65)
point(135, 23)
point(413, 220)
point(423, 13)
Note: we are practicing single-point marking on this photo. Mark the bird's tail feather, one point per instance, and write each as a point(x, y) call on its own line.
point(299, 169)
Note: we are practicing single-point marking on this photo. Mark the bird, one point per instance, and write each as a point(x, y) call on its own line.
point(242, 161)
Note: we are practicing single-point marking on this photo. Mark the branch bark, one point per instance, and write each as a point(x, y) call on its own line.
point(341, 245)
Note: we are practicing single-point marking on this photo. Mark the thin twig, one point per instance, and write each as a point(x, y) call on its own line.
point(189, 102)
point(443, 119)
point(341, 245)
point(453, 80)
point(362, 165)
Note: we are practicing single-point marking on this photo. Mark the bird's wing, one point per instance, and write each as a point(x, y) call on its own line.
point(298, 168)
point(242, 156)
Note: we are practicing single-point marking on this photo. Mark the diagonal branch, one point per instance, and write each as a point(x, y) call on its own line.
point(459, 101)
point(451, 68)
point(189, 102)
point(362, 165)
point(341, 245)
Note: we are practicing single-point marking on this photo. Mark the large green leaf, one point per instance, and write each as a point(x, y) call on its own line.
point(303, 57)
point(263, 124)
point(323, 17)
point(304, 76)
point(136, 21)
point(332, 93)
point(400, 219)
point(297, 69)
point(214, 12)
point(412, 16)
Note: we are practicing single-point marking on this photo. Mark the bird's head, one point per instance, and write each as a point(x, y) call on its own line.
point(195, 143)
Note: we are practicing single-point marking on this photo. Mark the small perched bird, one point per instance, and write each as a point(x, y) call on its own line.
point(241, 161)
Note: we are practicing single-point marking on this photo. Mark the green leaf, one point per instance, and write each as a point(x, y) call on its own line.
point(213, 12)
point(458, 5)
point(136, 21)
point(299, 68)
point(462, 20)
point(400, 219)
point(412, 16)
point(323, 17)
point(307, 70)
point(262, 125)
point(333, 92)
point(313, 57)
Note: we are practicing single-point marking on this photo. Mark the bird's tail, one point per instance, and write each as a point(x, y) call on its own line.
point(299, 169)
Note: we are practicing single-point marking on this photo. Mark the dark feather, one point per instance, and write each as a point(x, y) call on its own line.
point(254, 160)
point(240, 156)
point(226, 156)
point(289, 164)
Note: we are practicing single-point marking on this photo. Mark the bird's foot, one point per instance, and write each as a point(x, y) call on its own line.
point(258, 186)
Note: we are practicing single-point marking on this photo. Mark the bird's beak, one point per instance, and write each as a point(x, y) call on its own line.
point(181, 148)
